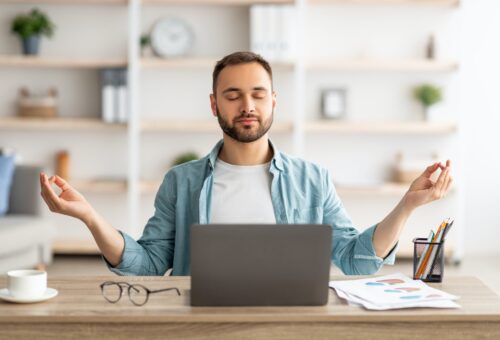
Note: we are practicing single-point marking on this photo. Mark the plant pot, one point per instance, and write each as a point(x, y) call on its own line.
point(434, 113)
point(31, 45)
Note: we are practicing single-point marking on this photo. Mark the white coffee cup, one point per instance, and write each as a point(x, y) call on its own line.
point(27, 284)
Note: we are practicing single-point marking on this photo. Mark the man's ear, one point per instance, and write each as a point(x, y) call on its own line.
point(213, 104)
point(274, 99)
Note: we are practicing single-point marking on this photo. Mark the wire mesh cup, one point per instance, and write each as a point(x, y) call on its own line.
point(428, 260)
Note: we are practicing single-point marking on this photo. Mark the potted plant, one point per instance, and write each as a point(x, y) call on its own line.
point(185, 157)
point(145, 43)
point(30, 27)
point(428, 95)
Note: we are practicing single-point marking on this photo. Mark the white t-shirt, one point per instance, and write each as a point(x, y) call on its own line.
point(242, 194)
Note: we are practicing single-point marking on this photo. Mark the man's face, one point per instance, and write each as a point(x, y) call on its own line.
point(244, 102)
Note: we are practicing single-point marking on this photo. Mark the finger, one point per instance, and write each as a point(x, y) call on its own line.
point(439, 184)
point(448, 184)
point(445, 183)
point(41, 179)
point(50, 194)
point(61, 183)
point(47, 201)
point(430, 170)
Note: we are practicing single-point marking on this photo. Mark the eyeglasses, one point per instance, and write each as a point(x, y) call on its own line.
point(112, 291)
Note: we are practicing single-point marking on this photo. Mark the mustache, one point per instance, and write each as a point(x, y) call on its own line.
point(246, 116)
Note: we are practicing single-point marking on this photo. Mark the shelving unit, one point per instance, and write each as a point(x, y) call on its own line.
point(52, 62)
point(416, 65)
point(194, 63)
point(298, 128)
point(216, 2)
point(388, 2)
point(100, 186)
point(198, 126)
point(67, 2)
point(59, 123)
point(396, 128)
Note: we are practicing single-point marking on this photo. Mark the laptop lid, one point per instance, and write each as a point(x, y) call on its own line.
point(260, 265)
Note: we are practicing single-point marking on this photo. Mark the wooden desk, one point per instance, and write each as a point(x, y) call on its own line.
point(81, 312)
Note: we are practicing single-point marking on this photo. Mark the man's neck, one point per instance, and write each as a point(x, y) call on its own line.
point(254, 153)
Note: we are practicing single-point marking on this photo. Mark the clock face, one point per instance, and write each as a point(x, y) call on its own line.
point(171, 37)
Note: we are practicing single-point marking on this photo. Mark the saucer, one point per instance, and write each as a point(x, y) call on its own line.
point(49, 294)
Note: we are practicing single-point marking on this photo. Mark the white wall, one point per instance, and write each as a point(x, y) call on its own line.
point(480, 83)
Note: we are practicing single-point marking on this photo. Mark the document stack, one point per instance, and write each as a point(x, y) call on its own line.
point(394, 291)
point(272, 32)
point(114, 99)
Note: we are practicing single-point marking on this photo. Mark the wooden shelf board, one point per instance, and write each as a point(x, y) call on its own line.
point(59, 62)
point(216, 2)
point(75, 247)
point(100, 185)
point(380, 127)
point(382, 65)
point(448, 3)
point(149, 186)
point(384, 189)
point(199, 126)
point(196, 62)
point(59, 123)
point(389, 188)
point(66, 2)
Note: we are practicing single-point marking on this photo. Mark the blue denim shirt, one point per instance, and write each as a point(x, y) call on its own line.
point(302, 192)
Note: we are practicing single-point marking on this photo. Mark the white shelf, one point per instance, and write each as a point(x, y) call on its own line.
point(384, 189)
point(191, 62)
point(450, 3)
point(66, 2)
point(100, 185)
point(164, 125)
point(416, 65)
point(301, 130)
point(415, 128)
point(59, 123)
point(216, 2)
point(59, 62)
point(75, 247)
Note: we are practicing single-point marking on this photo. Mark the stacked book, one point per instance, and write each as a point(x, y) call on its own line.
point(394, 291)
point(114, 95)
point(272, 32)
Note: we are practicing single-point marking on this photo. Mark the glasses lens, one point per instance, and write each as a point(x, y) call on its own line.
point(111, 292)
point(138, 294)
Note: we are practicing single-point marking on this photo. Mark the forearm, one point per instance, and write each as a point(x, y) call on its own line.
point(108, 239)
point(388, 230)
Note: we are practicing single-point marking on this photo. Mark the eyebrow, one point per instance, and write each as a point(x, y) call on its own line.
point(235, 89)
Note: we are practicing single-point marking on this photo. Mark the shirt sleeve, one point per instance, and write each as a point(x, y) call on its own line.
point(352, 251)
point(153, 253)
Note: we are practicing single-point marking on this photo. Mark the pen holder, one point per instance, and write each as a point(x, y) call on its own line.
point(428, 260)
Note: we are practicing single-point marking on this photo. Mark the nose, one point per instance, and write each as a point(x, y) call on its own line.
point(247, 105)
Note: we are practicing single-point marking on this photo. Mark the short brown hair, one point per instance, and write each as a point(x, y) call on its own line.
point(237, 58)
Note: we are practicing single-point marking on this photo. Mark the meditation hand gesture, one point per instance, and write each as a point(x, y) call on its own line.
point(423, 190)
point(69, 202)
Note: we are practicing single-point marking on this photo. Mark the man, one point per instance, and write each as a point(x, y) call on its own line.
point(245, 179)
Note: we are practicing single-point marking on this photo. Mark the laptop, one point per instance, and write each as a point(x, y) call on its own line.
point(260, 264)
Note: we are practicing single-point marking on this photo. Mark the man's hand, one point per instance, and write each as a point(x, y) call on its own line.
point(69, 202)
point(423, 190)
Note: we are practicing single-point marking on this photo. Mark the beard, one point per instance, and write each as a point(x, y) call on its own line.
point(244, 133)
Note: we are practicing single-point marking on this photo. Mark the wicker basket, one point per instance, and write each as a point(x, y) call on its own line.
point(37, 106)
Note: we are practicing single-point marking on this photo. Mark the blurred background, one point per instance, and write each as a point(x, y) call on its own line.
point(109, 94)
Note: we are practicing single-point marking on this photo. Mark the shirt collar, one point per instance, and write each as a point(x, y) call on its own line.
point(277, 160)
